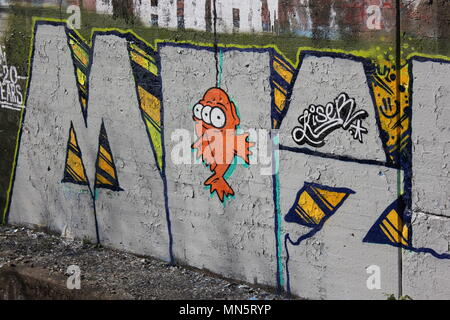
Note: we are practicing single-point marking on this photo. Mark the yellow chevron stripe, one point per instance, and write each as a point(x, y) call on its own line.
point(303, 216)
point(310, 207)
point(75, 164)
point(387, 233)
point(280, 87)
point(280, 99)
point(105, 166)
point(74, 175)
point(102, 180)
point(405, 232)
point(81, 55)
point(285, 74)
point(149, 121)
point(395, 233)
point(150, 105)
point(283, 63)
point(322, 199)
point(142, 53)
point(333, 198)
point(156, 140)
point(81, 77)
point(403, 144)
point(395, 219)
point(144, 63)
point(73, 139)
point(392, 231)
point(106, 154)
point(380, 93)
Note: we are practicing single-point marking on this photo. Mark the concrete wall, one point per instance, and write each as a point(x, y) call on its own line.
point(345, 192)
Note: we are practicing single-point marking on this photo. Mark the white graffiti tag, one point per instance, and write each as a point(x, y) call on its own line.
point(317, 122)
point(11, 96)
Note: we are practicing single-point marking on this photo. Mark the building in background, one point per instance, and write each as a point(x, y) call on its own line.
point(104, 6)
point(336, 19)
point(232, 15)
point(89, 5)
point(326, 19)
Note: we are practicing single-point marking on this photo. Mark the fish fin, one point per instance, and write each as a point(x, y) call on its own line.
point(243, 152)
point(204, 151)
point(220, 186)
point(197, 146)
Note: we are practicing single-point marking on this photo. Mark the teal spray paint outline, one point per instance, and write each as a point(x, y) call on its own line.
point(276, 157)
point(219, 76)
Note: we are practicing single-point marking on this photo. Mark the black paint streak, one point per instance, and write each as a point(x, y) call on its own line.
point(397, 88)
point(338, 157)
point(216, 48)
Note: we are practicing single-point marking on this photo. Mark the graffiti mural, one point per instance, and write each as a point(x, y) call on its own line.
point(218, 144)
point(347, 175)
point(81, 56)
point(11, 90)
point(74, 171)
point(317, 122)
point(394, 115)
point(313, 206)
point(148, 86)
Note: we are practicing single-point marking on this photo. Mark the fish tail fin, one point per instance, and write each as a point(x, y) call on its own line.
point(220, 186)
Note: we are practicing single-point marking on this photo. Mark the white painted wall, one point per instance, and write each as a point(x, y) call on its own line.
point(194, 15)
point(104, 6)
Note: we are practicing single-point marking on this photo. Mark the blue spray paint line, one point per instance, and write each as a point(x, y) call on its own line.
point(277, 214)
point(287, 239)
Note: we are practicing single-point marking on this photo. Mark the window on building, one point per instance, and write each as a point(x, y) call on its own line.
point(180, 14)
point(154, 3)
point(154, 20)
point(236, 20)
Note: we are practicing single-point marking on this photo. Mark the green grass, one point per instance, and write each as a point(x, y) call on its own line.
point(18, 38)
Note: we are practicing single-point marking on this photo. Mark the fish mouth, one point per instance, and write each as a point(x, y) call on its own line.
point(211, 129)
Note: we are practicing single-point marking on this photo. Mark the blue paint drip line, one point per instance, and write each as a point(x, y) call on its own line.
point(442, 256)
point(430, 251)
point(296, 243)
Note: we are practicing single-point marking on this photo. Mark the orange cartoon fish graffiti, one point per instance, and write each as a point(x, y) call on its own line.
point(216, 122)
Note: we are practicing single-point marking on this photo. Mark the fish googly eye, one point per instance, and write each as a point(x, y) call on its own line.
point(198, 111)
point(206, 114)
point(218, 118)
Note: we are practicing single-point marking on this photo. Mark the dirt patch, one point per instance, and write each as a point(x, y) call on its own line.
point(33, 265)
point(24, 283)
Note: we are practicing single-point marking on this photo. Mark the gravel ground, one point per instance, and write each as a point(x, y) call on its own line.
point(111, 274)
